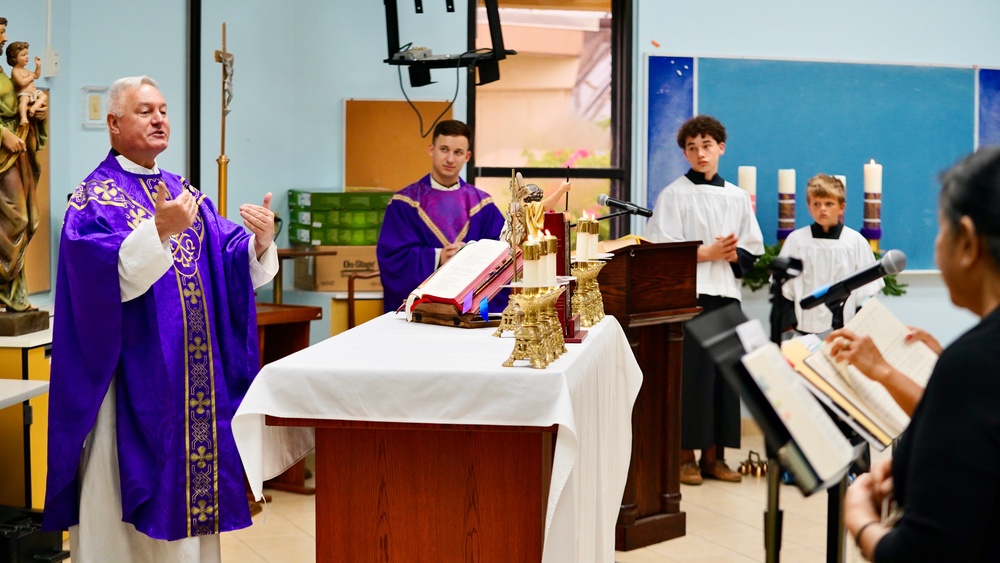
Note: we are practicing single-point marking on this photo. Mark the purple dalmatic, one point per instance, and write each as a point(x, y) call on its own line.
point(182, 355)
point(418, 221)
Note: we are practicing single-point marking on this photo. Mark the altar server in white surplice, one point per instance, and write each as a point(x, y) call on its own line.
point(702, 206)
point(830, 251)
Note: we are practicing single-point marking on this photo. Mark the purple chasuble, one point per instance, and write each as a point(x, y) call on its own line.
point(183, 355)
point(418, 221)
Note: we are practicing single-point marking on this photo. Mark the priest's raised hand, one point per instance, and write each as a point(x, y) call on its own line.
point(175, 215)
point(259, 219)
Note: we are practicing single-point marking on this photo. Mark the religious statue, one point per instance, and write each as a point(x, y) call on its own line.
point(19, 172)
point(534, 212)
point(29, 97)
point(514, 228)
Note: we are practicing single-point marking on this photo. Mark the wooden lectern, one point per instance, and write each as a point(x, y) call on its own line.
point(651, 290)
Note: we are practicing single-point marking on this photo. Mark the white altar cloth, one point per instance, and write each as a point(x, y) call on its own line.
point(389, 370)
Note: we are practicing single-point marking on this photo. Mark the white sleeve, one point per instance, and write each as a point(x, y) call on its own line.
point(263, 270)
point(751, 239)
point(142, 259)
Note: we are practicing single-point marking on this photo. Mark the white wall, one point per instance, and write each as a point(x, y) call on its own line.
point(296, 62)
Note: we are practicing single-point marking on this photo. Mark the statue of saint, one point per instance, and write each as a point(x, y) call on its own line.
point(19, 172)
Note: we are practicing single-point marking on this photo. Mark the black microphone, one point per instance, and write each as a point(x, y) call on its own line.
point(603, 199)
point(892, 263)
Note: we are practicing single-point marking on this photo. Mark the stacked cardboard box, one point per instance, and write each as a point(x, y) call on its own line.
point(336, 218)
point(346, 223)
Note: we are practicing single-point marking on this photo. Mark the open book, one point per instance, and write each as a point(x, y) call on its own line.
point(627, 240)
point(476, 272)
point(864, 404)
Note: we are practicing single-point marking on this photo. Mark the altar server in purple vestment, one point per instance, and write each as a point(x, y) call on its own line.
point(154, 345)
point(427, 222)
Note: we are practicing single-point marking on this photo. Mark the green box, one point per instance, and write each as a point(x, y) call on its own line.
point(299, 215)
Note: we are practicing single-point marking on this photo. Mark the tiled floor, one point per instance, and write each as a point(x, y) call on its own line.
point(725, 524)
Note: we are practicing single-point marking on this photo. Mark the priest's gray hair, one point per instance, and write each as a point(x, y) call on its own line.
point(118, 89)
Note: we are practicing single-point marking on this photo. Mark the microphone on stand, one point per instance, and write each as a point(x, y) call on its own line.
point(603, 199)
point(892, 263)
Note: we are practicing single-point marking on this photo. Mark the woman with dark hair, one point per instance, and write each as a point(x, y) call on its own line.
point(944, 478)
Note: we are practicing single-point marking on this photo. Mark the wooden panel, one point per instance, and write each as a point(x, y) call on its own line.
point(431, 495)
point(383, 146)
point(644, 279)
point(37, 258)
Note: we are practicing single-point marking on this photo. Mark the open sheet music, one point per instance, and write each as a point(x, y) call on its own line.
point(821, 446)
point(864, 402)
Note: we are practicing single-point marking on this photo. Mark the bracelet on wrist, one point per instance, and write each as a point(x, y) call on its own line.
point(861, 530)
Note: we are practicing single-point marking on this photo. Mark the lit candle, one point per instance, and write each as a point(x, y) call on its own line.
point(582, 236)
point(873, 178)
point(531, 252)
point(748, 182)
point(872, 226)
point(552, 244)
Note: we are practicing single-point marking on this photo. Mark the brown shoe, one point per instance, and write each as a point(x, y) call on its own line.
point(719, 470)
point(690, 474)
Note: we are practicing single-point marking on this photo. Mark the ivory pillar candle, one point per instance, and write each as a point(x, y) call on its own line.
point(531, 252)
point(748, 183)
point(582, 238)
point(871, 227)
point(552, 246)
point(873, 177)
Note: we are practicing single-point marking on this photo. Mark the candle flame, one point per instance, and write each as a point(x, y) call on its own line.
point(872, 161)
point(547, 233)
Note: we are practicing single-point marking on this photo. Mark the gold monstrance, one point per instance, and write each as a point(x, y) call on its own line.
point(227, 59)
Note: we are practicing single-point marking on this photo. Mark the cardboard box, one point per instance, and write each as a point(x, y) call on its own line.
point(330, 273)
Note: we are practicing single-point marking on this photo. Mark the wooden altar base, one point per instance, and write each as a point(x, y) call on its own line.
point(443, 493)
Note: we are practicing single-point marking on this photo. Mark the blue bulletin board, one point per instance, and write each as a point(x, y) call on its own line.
point(822, 117)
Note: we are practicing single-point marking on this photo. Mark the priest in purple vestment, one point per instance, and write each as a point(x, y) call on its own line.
point(427, 222)
point(154, 346)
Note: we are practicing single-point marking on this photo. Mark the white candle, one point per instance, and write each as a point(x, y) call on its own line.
point(595, 228)
point(550, 259)
point(748, 179)
point(530, 251)
point(582, 238)
point(873, 178)
point(786, 181)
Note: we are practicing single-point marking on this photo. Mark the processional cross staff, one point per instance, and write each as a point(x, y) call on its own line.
point(227, 59)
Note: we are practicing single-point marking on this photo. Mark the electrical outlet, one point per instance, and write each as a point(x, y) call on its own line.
point(50, 63)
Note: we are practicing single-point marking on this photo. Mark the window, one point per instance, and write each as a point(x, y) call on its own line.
point(561, 105)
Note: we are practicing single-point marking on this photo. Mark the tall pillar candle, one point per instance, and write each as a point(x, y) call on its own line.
point(552, 247)
point(786, 202)
point(595, 230)
point(748, 183)
point(871, 228)
point(531, 252)
point(582, 239)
